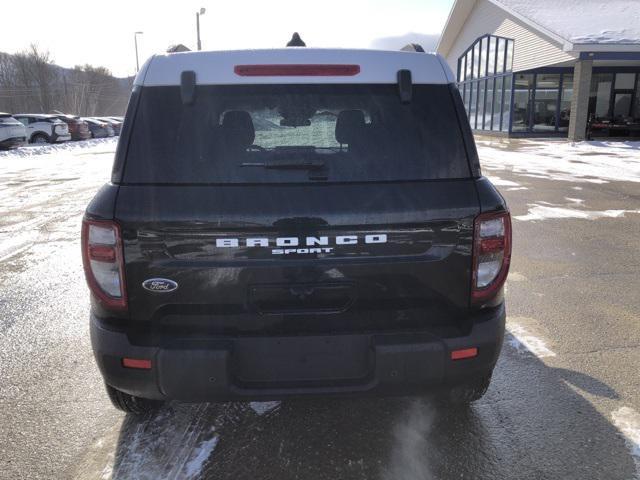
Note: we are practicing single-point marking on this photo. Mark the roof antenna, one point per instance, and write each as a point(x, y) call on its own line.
point(296, 41)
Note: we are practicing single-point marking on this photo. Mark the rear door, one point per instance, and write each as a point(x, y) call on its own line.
point(307, 209)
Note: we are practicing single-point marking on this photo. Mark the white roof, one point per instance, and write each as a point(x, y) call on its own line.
point(584, 21)
point(217, 67)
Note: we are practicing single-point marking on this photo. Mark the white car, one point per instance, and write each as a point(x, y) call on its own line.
point(43, 128)
point(12, 133)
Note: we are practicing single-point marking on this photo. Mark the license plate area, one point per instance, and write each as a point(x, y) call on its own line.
point(301, 298)
point(273, 362)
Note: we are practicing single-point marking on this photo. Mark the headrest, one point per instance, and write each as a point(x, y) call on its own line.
point(349, 124)
point(237, 128)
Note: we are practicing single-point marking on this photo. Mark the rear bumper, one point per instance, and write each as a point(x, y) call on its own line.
point(261, 368)
point(80, 135)
point(55, 138)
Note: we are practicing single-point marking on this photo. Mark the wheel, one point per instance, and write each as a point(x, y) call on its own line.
point(40, 138)
point(131, 404)
point(467, 393)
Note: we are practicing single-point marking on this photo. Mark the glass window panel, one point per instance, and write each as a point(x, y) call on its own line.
point(500, 63)
point(523, 88)
point(565, 103)
point(480, 111)
point(483, 56)
point(472, 104)
point(509, 64)
point(621, 106)
point(488, 104)
point(506, 106)
point(465, 98)
point(476, 60)
point(625, 81)
point(546, 102)
point(464, 92)
point(635, 110)
point(469, 64)
point(600, 97)
point(497, 107)
point(492, 56)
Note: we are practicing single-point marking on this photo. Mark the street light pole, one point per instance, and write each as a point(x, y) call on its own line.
point(135, 40)
point(201, 12)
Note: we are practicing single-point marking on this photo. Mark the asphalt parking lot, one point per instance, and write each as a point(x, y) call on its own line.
point(564, 403)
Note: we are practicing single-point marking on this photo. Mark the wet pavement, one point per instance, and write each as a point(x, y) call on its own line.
point(564, 402)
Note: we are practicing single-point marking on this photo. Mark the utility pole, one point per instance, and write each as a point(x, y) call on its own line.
point(135, 41)
point(201, 12)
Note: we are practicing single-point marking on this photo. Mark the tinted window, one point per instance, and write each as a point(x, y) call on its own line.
point(275, 133)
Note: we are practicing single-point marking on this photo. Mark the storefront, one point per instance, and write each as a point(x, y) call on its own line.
point(538, 102)
point(544, 72)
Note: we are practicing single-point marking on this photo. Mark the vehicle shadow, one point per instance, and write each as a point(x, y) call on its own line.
point(531, 424)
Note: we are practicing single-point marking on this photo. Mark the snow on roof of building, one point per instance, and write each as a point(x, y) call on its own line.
point(583, 21)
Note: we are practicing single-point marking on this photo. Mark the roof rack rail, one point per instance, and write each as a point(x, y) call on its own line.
point(413, 47)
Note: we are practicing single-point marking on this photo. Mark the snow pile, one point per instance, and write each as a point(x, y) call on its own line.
point(67, 147)
point(584, 21)
point(593, 162)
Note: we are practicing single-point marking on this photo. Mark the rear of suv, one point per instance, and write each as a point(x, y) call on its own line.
point(78, 129)
point(295, 222)
point(12, 132)
point(42, 128)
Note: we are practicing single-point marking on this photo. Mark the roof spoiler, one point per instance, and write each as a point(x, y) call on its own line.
point(413, 47)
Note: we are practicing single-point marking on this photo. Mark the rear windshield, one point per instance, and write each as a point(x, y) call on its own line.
point(295, 133)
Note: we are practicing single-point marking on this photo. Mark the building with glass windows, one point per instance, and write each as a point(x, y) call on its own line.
point(547, 68)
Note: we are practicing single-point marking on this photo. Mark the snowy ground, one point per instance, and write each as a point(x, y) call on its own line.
point(564, 400)
point(580, 163)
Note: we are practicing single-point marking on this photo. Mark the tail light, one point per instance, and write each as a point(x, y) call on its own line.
point(491, 255)
point(103, 262)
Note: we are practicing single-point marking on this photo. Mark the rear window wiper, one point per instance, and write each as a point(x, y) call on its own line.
point(287, 164)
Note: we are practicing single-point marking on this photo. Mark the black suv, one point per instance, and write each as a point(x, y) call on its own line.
point(295, 222)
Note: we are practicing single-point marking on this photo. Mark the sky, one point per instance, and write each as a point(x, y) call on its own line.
point(101, 32)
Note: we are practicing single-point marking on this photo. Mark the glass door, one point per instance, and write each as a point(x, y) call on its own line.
point(545, 104)
point(522, 102)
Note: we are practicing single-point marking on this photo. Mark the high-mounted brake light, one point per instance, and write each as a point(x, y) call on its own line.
point(103, 262)
point(491, 255)
point(300, 70)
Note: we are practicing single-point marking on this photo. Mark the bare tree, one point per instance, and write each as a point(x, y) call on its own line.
point(29, 81)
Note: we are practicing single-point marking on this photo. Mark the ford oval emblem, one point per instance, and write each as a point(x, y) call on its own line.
point(159, 285)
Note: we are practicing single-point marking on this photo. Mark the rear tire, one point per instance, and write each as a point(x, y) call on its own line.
point(130, 403)
point(40, 138)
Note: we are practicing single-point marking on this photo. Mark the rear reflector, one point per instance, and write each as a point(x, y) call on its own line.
point(138, 363)
point(464, 353)
point(296, 70)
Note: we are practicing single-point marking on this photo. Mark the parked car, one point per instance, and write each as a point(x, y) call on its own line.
point(13, 133)
point(98, 128)
point(319, 226)
point(78, 128)
point(115, 124)
point(42, 128)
